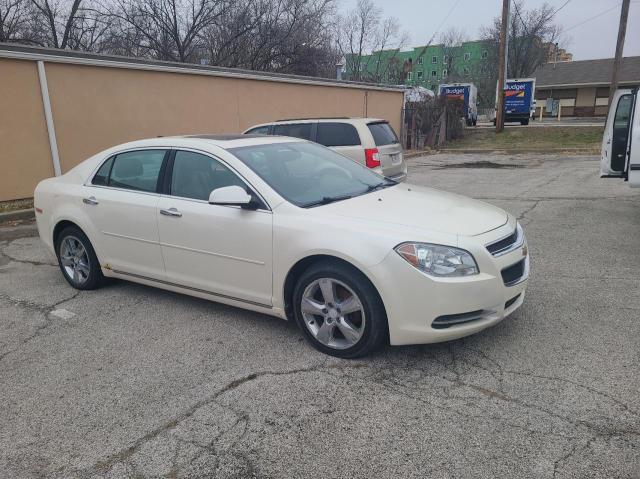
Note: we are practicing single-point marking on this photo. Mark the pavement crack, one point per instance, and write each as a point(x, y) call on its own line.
point(613, 399)
point(32, 306)
point(524, 214)
point(123, 455)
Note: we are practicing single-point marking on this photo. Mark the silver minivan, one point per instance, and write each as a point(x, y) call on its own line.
point(370, 141)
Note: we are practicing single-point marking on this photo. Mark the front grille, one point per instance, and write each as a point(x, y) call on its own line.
point(443, 322)
point(505, 245)
point(511, 301)
point(513, 273)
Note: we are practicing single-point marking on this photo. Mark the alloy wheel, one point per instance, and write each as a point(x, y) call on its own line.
point(74, 259)
point(333, 313)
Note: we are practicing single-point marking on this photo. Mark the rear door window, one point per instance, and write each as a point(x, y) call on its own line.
point(296, 130)
point(382, 133)
point(102, 176)
point(137, 170)
point(337, 134)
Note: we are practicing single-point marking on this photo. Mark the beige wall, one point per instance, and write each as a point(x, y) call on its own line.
point(96, 107)
point(25, 156)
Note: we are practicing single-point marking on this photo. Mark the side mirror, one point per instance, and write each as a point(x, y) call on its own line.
point(230, 196)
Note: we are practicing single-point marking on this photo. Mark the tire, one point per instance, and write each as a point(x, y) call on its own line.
point(475, 122)
point(494, 122)
point(80, 267)
point(524, 122)
point(366, 326)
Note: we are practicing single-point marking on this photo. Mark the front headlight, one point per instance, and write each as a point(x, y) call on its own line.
point(438, 260)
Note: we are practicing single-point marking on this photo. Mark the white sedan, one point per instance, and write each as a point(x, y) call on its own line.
point(288, 228)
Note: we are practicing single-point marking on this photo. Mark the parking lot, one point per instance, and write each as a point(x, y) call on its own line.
point(130, 381)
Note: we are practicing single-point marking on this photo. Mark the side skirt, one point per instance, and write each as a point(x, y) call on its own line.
point(198, 293)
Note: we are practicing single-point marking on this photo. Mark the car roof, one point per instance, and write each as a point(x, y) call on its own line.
point(225, 142)
point(337, 119)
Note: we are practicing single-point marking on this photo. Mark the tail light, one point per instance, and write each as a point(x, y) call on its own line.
point(371, 157)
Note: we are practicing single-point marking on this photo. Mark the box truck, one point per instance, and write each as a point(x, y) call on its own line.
point(620, 154)
point(467, 93)
point(519, 100)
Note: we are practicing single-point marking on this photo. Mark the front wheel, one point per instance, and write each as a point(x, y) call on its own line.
point(339, 311)
point(77, 259)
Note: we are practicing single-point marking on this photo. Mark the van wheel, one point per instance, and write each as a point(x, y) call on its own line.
point(77, 259)
point(339, 311)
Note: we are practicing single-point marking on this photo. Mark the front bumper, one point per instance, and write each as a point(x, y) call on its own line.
point(459, 306)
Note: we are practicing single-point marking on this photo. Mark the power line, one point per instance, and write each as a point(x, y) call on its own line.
point(561, 7)
point(594, 17)
point(445, 19)
point(437, 30)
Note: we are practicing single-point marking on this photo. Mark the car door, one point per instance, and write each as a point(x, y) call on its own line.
point(341, 137)
point(222, 250)
point(616, 136)
point(120, 203)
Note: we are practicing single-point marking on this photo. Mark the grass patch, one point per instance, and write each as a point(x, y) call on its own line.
point(532, 137)
point(14, 205)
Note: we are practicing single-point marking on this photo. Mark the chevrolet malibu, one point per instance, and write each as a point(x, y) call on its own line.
point(288, 228)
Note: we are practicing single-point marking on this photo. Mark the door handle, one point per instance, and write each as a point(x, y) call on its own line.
point(171, 212)
point(90, 201)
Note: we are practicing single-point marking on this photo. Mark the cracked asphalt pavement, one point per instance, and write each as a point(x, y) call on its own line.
point(131, 381)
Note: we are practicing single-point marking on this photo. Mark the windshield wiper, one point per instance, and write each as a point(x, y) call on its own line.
point(326, 200)
point(381, 185)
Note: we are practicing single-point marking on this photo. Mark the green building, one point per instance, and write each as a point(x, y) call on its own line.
point(430, 66)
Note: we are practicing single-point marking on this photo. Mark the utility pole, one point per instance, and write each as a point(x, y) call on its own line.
point(622, 32)
point(502, 67)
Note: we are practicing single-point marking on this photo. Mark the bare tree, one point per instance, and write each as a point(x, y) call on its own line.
point(291, 36)
point(14, 21)
point(364, 37)
point(453, 54)
point(529, 31)
point(167, 29)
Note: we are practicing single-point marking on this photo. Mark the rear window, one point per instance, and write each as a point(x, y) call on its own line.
point(382, 133)
point(296, 130)
point(337, 134)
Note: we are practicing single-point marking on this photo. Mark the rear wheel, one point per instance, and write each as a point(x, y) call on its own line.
point(524, 122)
point(77, 259)
point(339, 311)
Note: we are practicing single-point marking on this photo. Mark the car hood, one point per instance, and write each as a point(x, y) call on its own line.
point(423, 208)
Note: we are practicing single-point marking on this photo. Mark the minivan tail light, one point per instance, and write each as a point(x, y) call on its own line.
point(372, 158)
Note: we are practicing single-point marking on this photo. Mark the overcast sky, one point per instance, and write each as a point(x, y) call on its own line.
point(593, 39)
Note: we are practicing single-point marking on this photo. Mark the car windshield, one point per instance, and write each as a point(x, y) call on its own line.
point(307, 174)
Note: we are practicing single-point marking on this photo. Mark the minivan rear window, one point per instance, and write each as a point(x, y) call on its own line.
point(337, 134)
point(382, 133)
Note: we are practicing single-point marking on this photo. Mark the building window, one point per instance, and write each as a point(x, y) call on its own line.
point(409, 76)
point(445, 59)
point(467, 57)
point(485, 54)
point(445, 73)
point(419, 75)
point(420, 60)
point(466, 71)
point(434, 59)
point(434, 73)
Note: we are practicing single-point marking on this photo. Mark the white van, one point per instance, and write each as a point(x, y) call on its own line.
point(370, 141)
point(620, 157)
